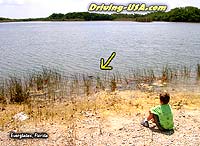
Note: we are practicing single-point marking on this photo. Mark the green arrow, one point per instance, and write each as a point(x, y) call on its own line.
point(104, 66)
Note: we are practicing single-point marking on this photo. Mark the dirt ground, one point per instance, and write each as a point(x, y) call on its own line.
point(110, 128)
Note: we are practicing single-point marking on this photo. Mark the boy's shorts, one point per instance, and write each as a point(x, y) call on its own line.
point(157, 122)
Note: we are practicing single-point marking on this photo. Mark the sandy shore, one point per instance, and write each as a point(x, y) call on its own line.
point(106, 126)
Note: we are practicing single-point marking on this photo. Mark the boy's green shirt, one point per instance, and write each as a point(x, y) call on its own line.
point(165, 115)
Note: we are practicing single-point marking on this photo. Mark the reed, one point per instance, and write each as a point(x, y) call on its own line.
point(185, 72)
point(126, 80)
point(17, 91)
point(198, 71)
point(113, 84)
point(165, 73)
point(2, 93)
point(99, 84)
point(87, 84)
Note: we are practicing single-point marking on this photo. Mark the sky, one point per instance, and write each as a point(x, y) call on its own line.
point(44, 8)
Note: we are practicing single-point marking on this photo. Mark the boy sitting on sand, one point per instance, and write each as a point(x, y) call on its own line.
point(161, 115)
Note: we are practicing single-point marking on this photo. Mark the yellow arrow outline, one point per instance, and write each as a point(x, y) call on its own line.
point(105, 66)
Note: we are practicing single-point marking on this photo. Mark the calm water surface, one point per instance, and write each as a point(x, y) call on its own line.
point(78, 46)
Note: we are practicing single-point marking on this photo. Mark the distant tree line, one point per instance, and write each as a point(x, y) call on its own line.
point(80, 16)
point(4, 19)
point(183, 14)
point(186, 14)
point(86, 16)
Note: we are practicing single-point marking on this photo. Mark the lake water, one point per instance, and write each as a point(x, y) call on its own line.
point(78, 46)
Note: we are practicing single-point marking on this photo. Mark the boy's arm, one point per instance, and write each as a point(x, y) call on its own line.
point(155, 110)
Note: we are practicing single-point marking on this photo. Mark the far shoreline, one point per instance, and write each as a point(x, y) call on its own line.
point(1, 22)
point(188, 14)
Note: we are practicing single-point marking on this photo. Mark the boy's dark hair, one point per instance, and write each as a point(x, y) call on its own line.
point(164, 98)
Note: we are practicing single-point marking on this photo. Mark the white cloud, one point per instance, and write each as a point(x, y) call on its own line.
point(13, 2)
point(44, 8)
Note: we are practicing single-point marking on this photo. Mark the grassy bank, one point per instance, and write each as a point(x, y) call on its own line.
point(49, 97)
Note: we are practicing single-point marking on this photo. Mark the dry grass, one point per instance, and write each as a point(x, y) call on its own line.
point(119, 102)
point(50, 82)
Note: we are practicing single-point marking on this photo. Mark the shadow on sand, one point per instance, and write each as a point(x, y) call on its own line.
point(168, 132)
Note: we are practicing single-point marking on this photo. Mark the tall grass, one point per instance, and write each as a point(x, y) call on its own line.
point(99, 84)
point(113, 84)
point(51, 85)
point(167, 74)
point(17, 91)
point(87, 84)
point(2, 93)
point(198, 71)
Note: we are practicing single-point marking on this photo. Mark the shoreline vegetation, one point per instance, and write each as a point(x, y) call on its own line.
point(182, 14)
point(50, 83)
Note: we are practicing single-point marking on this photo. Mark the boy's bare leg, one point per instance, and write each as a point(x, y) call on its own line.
point(150, 117)
point(145, 121)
